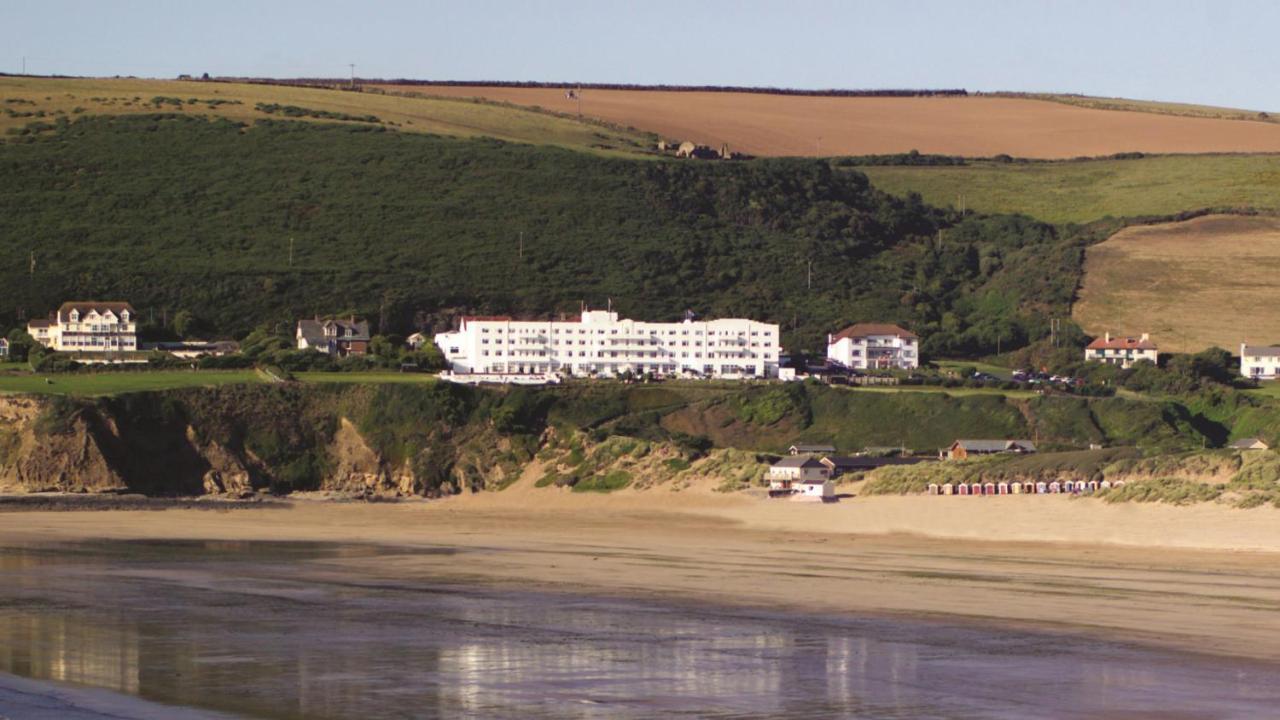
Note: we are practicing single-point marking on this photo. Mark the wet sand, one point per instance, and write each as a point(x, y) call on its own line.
point(1156, 575)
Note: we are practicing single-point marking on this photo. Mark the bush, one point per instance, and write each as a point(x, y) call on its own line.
point(615, 480)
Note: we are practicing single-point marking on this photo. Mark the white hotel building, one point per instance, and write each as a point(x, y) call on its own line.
point(102, 327)
point(601, 344)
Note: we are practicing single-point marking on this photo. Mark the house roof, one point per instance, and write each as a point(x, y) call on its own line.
point(39, 322)
point(1249, 444)
point(994, 445)
point(482, 318)
point(84, 306)
point(315, 328)
point(803, 448)
point(1121, 343)
point(1262, 350)
point(797, 461)
point(866, 462)
point(862, 330)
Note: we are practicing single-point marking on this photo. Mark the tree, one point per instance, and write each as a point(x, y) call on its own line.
point(183, 322)
point(20, 344)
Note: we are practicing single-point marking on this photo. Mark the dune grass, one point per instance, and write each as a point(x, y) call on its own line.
point(1087, 190)
point(26, 99)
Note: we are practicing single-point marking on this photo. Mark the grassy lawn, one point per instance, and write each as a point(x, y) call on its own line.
point(1003, 373)
point(1086, 190)
point(114, 383)
point(1267, 389)
point(367, 377)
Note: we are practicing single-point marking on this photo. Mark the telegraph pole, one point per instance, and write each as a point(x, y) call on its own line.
point(521, 244)
point(290, 251)
point(809, 282)
point(353, 73)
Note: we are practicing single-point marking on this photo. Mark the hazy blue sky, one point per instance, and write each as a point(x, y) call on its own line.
point(1222, 53)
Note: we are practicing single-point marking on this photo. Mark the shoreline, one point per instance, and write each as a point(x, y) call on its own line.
point(740, 552)
point(25, 698)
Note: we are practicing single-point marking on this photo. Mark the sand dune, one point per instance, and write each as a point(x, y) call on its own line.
point(762, 124)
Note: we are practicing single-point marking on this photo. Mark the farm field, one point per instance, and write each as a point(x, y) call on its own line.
point(1086, 190)
point(1191, 285)
point(1154, 106)
point(115, 383)
point(789, 125)
point(75, 97)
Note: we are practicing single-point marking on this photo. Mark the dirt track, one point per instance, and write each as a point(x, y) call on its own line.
point(762, 124)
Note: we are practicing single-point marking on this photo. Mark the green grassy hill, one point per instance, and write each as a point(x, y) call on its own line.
point(1082, 191)
point(174, 212)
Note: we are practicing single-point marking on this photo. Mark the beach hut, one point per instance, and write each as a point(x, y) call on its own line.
point(933, 488)
point(1016, 488)
point(1092, 486)
point(989, 489)
point(1042, 488)
point(948, 489)
point(1105, 484)
point(962, 489)
point(1118, 484)
point(1055, 487)
point(1082, 486)
point(1029, 488)
point(1002, 488)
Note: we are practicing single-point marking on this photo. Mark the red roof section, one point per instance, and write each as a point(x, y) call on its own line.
point(861, 330)
point(1121, 343)
point(494, 318)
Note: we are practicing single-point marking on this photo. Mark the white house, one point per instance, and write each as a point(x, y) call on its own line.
point(1122, 351)
point(874, 346)
point(416, 341)
point(791, 472)
point(101, 327)
point(599, 343)
point(1260, 362)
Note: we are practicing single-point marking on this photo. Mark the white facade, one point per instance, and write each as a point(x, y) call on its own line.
point(88, 327)
point(601, 344)
point(815, 490)
point(1122, 351)
point(1259, 362)
point(870, 346)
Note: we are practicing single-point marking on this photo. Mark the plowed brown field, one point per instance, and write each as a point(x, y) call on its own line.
point(762, 124)
point(1210, 281)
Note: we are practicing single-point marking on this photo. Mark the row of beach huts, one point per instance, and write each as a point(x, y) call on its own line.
point(1071, 487)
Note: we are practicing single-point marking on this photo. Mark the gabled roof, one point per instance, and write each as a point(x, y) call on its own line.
point(866, 462)
point(39, 322)
point(1261, 350)
point(862, 330)
point(1252, 443)
point(315, 328)
point(992, 446)
point(1121, 343)
point(84, 306)
point(798, 461)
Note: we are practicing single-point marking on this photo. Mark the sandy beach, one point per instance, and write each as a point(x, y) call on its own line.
point(1200, 578)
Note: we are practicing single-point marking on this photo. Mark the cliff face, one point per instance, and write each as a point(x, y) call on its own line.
point(365, 441)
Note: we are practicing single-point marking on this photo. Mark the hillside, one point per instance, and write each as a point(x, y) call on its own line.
point(174, 212)
point(1082, 191)
point(800, 125)
point(1209, 281)
point(27, 99)
point(444, 438)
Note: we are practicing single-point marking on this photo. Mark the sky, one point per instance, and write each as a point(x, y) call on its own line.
point(1215, 53)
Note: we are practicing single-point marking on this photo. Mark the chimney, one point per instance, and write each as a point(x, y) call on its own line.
point(1145, 337)
point(1106, 337)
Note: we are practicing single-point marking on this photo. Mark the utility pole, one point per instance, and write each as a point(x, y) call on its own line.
point(32, 271)
point(578, 96)
point(521, 244)
point(810, 279)
point(290, 251)
point(24, 64)
point(353, 74)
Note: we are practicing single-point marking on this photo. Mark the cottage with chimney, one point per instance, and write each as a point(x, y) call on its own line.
point(339, 338)
point(1122, 351)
